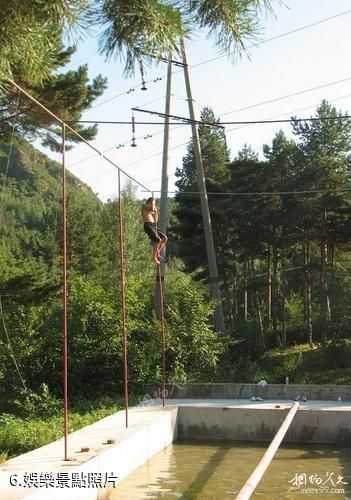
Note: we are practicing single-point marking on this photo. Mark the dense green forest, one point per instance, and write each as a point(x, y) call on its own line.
point(282, 238)
point(281, 228)
point(31, 293)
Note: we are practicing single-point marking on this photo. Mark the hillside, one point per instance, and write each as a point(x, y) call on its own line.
point(30, 220)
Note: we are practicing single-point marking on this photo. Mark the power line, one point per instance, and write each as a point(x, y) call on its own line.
point(258, 193)
point(185, 143)
point(77, 134)
point(126, 92)
point(201, 63)
point(294, 94)
point(296, 30)
point(172, 148)
point(234, 111)
point(188, 121)
point(123, 144)
point(151, 102)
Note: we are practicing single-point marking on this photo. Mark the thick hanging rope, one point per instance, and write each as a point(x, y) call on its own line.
point(163, 335)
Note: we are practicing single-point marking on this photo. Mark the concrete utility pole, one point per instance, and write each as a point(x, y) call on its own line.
point(163, 219)
point(211, 256)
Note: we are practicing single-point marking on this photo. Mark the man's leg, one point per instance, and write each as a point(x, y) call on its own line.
point(162, 243)
point(155, 254)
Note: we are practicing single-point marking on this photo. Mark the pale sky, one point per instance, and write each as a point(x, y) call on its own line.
point(292, 64)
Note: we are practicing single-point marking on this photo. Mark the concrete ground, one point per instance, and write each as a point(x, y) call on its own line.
point(266, 404)
point(94, 438)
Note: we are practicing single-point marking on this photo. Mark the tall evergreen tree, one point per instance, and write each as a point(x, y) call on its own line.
point(189, 229)
point(325, 146)
point(31, 34)
point(142, 30)
point(66, 94)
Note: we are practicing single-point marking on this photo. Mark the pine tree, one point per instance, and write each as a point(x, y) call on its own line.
point(188, 231)
point(142, 30)
point(31, 34)
point(66, 94)
point(324, 145)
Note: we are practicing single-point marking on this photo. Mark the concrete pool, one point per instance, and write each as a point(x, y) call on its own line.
point(217, 470)
point(113, 452)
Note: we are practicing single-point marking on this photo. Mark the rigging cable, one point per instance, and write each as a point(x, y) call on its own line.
point(201, 63)
point(10, 152)
point(9, 345)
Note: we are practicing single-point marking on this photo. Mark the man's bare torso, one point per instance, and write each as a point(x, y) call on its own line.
point(149, 214)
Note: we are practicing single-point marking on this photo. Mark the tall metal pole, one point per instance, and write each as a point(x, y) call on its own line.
point(64, 293)
point(163, 220)
point(164, 182)
point(123, 296)
point(211, 256)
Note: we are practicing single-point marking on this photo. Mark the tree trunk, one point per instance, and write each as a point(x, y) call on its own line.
point(228, 298)
point(307, 290)
point(245, 290)
point(283, 290)
point(269, 297)
point(332, 280)
point(235, 298)
point(259, 318)
point(323, 280)
point(283, 321)
point(275, 291)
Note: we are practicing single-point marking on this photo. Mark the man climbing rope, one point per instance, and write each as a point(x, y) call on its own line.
point(158, 239)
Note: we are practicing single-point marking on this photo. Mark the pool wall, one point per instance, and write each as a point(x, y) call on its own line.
point(260, 425)
point(134, 446)
point(245, 391)
point(152, 427)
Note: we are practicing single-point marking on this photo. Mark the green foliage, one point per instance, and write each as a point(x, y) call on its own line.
point(30, 36)
point(302, 364)
point(68, 95)
point(261, 247)
point(20, 435)
point(95, 339)
point(278, 253)
point(193, 347)
point(30, 224)
point(138, 29)
point(32, 303)
point(31, 404)
point(187, 228)
point(142, 30)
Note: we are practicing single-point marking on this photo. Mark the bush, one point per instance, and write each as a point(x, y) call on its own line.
point(30, 404)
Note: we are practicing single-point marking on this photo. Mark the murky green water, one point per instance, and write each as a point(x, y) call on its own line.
point(217, 471)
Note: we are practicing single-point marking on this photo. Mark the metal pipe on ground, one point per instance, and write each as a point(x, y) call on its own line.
point(251, 484)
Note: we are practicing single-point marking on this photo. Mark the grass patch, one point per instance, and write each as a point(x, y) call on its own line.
point(19, 434)
point(329, 364)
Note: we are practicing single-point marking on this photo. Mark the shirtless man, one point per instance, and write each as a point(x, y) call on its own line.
point(149, 213)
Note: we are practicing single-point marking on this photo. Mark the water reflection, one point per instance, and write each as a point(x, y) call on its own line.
point(217, 471)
